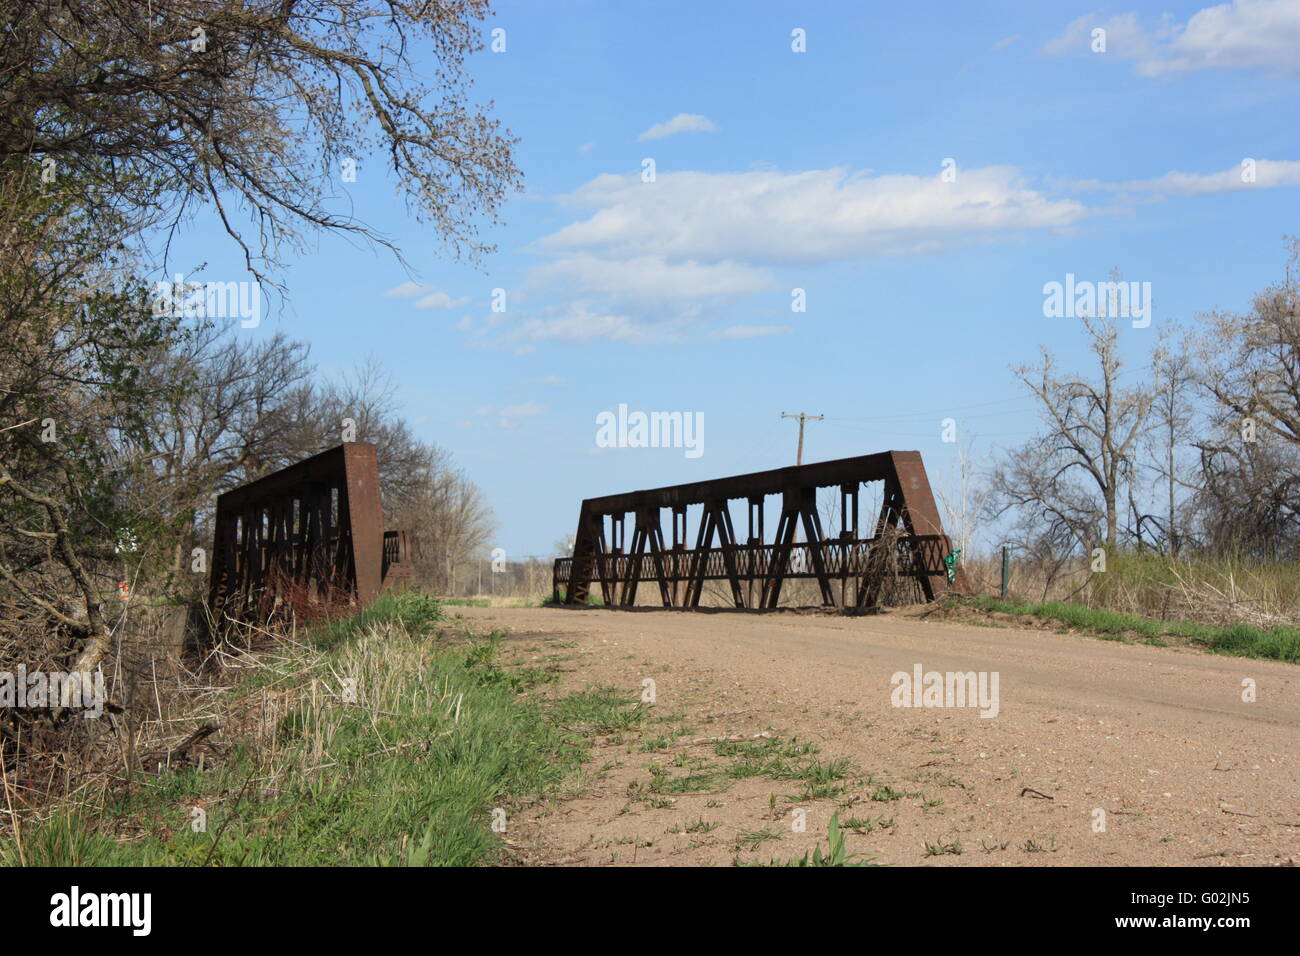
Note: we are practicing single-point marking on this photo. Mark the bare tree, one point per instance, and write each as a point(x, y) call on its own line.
point(1072, 473)
point(252, 107)
point(121, 115)
point(1173, 415)
point(421, 489)
point(451, 520)
point(1252, 367)
point(1249, 499)
point(220, 412)
point(964, 505)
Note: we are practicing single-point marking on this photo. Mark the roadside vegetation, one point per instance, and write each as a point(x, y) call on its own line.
point(835, 854)
point(1239, 640)
point(1158, 485)
point(131, 393)
point(387, 738)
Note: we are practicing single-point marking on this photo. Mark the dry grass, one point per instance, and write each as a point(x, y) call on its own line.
point(164, 680)
point(370, 740)
point(1213, 591)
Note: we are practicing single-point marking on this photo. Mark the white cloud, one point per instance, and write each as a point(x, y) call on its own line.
point(1124, 37)
point(661, 262)
point(1004, 43)
point(509, 415)
point(440, 300)
point(1268, 173)
point(407, 289)
point(681, 123)
point(738, 332)
point(647, 263)
point(553, 380)
point(649, 280)
point(586, 147)
point(522, 410)
point(577, 323)
point(766, 216)
point(432, 297)
point(635, 299)
point(1244, 34)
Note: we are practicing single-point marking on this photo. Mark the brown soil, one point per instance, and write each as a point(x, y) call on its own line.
point(1158, 738)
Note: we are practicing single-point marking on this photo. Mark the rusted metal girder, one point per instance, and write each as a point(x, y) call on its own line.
point(313, 531)
point(908, 539)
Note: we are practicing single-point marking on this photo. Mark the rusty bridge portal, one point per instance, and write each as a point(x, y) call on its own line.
point(907, 542)
point(311, 532)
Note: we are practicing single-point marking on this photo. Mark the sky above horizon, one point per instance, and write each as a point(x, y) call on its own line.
point(914, 178)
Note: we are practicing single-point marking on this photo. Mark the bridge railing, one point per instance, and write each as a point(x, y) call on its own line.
point(915, 556)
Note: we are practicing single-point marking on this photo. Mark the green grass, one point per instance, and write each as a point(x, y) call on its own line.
point(1240, 640)
point(490, 602)
point(867, 824)
point(753, 839)
point(887, 794)
point(414, 613)
point(700, 825)
point(66, 839)
point(790, 759)
point(594, 598)
point(599, 710)
point(837, 853)
point(662, 782)
point(410, 774)
point(944, 849)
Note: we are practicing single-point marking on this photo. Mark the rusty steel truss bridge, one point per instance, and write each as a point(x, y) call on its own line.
point(311, 532)
point(906, 544)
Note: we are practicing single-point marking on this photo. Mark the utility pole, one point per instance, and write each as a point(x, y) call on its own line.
point(803, 417)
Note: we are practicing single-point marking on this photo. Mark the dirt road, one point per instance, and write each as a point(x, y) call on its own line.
point(1099, 753)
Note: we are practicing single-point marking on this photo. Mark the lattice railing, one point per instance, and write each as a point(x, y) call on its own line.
point(842, 560)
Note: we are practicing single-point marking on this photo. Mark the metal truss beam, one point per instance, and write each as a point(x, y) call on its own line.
point(908, 538)
point(314, 528)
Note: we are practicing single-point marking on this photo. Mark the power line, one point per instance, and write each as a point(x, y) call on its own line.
point(943, 411)
point(917, 432)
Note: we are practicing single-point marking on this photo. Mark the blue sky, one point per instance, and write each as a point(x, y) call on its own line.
point(821, 171)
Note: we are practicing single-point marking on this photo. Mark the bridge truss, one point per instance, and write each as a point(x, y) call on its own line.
point(907, 540)
point(312, 531)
